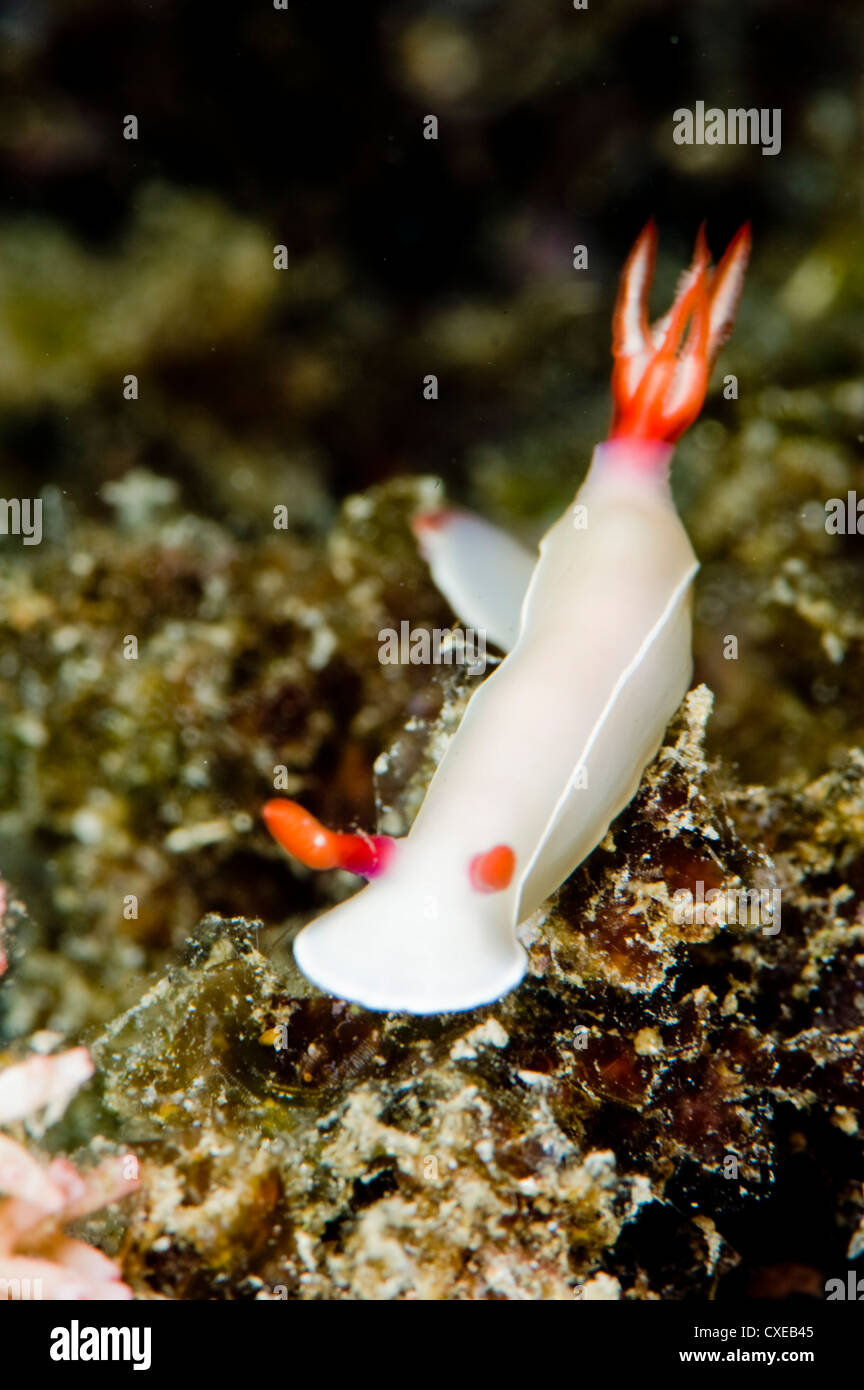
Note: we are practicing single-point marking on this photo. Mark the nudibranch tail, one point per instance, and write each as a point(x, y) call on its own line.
point(297, 830)
point(661, 373)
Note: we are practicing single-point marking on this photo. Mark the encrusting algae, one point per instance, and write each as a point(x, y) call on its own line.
point(292, 1145)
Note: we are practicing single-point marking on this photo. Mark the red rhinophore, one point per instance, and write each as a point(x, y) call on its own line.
point(367, 855)
point(491, 872)
point(661, 373)
point(317, 847)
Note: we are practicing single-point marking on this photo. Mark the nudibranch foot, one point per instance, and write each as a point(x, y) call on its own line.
point(407, 943)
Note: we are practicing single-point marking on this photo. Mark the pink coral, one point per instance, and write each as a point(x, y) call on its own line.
point(37, 1258)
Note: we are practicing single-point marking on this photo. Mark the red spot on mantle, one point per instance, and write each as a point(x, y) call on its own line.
point(492, 872)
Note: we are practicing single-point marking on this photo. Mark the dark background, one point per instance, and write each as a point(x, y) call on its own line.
point(555, 128)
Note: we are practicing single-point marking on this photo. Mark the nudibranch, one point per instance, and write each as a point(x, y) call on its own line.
point(553, 744)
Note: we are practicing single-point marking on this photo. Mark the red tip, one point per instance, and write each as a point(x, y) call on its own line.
point(422, 523)
point(661, 374)
point(319, 848)
point(492, 872)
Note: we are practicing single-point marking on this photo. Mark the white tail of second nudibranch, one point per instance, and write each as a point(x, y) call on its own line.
point(554, 743)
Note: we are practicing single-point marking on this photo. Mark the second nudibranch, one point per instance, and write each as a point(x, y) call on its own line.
point(553, 744)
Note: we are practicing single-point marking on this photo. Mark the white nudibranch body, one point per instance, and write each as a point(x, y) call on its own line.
point(553, 744)
point(551, 747)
